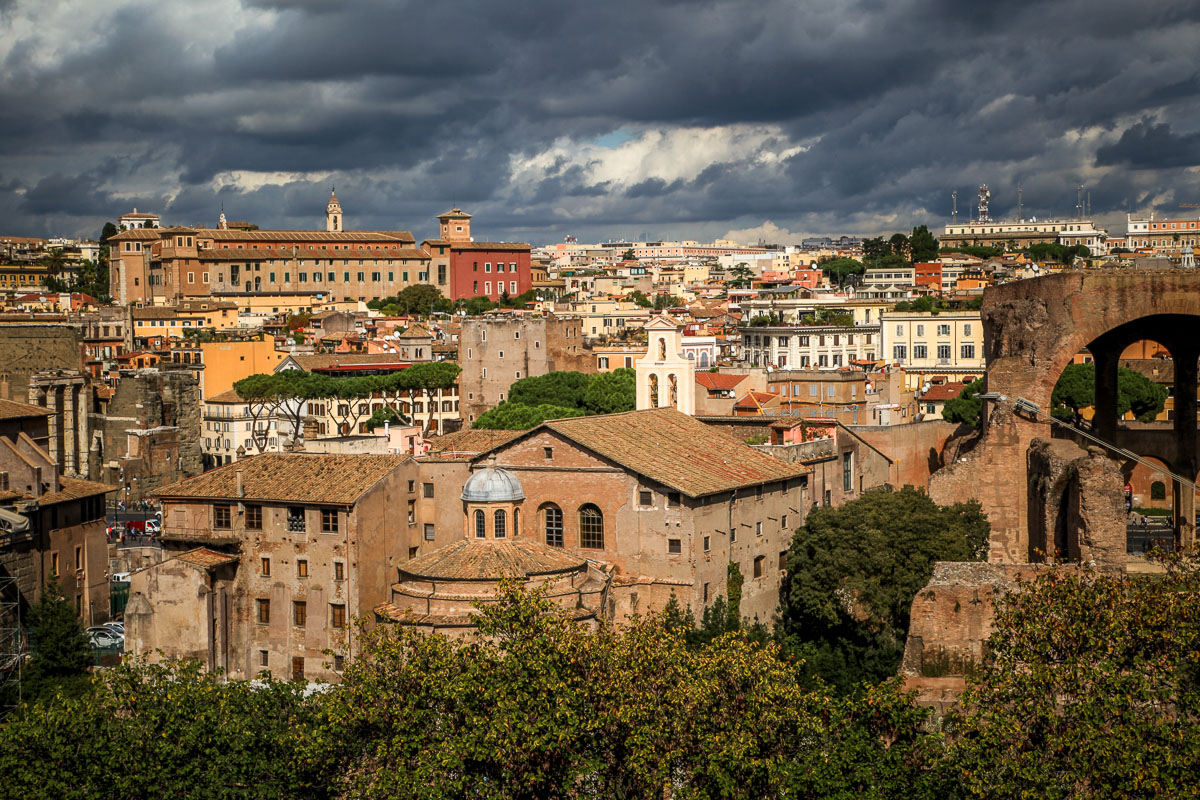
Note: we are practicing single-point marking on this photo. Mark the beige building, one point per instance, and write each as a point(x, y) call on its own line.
point(945, 346)
point(274, 558)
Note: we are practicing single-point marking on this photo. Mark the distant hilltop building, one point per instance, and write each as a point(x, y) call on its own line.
point(151, 264)
point(1022, 233)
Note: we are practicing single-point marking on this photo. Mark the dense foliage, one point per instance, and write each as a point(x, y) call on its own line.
point(1075, 390)
point(967, 407)
point(419, 298)
point(841, 270)
point(282, 393)
point(532, 401)
point(61, 651)
point(1089, 690)
point(852, 574)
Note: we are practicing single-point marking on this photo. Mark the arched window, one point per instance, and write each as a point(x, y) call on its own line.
point(480, 526)
point(499, 531)
point(1158, 491)
point(591, 527)
point(662, 349)
point(552, 523)
point(654, 391)
point(703, 359)
point(516, 522)
point(674, 389)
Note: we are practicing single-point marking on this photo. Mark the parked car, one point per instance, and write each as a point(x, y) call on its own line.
point(104, 637)
point(119, 627)
point(153, 526)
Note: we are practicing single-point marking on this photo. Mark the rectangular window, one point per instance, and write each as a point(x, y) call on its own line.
point(758, 528)
point(300, 613)
point(221, 517)
point(339, 571)
point(337, 616)
point(412, 512)
point(673, 499)
point(265, 567)
point(427, 489)
point(645, 497)
point(301, 568)
point(295, 519)
point(263, 658)
point(297, 668)
point(848, 471)
point(899, 352)
point(758, 565)
point(429, 533)
point(254, 518)
point(264, 611)
point(329, 520)
point(944, 351)
point(54, 563)
point(943, 330)
point(968, 351)
point(920, 351)
point(674, 545)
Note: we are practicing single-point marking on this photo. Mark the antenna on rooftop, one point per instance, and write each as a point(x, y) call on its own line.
point(1020, 205)
point(1079, 202)
point(954, 200)
point(1089, 203)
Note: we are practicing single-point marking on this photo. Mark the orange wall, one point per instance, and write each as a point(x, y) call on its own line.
point(227, 362)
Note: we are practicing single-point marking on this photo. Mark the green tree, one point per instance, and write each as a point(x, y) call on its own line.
point(852, 574)
point(875, 249)
point(611, 392)
point(1090, 689)
point(840, 270)
point(165, 731)
point(967, 407)
point(62, 652)
point(384, 415)
point(543, 707)
point(922, 244)
point(639, 297)
point(628, 255)
point(662, 302)
point(513, 416)
point(418, 298)
point(900, 246)
point(477, 305)
point(1075, 390)
point(562, 388)
point(740, 276)
point(107, 231)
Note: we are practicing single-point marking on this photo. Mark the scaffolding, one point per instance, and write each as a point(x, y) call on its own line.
point(12, 643)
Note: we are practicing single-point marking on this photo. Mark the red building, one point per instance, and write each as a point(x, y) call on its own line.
point(928, 277)
point(489, 269)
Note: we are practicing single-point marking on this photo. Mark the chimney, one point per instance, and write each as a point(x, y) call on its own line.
point(309, 429)
point(241, 490)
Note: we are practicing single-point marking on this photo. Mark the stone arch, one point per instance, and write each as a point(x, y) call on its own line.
point(703, 358)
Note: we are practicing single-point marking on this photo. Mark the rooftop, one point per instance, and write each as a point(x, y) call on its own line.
point(289, 477)
point(719, 380)
point(482, 560)
point(11, 409)
point(674, 449)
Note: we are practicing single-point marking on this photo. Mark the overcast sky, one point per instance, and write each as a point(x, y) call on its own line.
point(605, 118)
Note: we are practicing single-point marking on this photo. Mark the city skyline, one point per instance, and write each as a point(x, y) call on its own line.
point(694, 120)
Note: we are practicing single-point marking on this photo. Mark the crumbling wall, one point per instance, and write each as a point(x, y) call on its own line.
point(1076, 504)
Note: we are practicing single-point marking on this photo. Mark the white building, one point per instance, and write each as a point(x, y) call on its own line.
point(810, 346)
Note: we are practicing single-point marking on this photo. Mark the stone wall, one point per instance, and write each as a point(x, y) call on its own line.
point(28, 349)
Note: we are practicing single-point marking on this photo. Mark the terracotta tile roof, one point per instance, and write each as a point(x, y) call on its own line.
point(204, 558)
point(74, 489)
point(518, 246)
point(227, 396)
point(454, 212)
point(361, 251)
point(416, 332)
point(719, 380)
point(469, 442)
point(290, 477)
point(488, 559)
point(218, 235)
point(755, 400)
point(941, 392)
point(328, 360)
point(11, 409)
point(675, 450)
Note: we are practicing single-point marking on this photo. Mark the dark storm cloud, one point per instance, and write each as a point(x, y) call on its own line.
point(1151, 146)
point(861, 115)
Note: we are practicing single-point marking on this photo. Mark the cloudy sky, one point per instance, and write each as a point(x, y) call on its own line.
point(620, 118)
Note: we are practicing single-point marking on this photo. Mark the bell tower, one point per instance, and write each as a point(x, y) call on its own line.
point(333, 214)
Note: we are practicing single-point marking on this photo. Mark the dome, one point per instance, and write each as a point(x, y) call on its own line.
point(492, 485)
